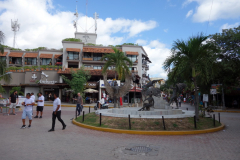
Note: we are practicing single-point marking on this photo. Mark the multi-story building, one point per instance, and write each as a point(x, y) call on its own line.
point(72, 55)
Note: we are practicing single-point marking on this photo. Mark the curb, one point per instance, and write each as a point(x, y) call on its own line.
point(226, 111)
point(149, 132)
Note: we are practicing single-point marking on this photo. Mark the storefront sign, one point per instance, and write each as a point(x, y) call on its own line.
point(44, 75)
point(34, 77)
point(91, 85)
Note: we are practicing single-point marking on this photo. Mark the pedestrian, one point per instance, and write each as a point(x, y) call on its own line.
point(1, 104)
point(40, 104)
point(28, 103)
point(13, 99)
point(101, 103)
point(33, 98)
point(184, 100)
point(56, 113)
point(79, 103)
point(179, 101)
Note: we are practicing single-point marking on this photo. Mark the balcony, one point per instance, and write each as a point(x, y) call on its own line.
point(72, 59)
point(144, 63)
point(147, 68)
point(13, 61)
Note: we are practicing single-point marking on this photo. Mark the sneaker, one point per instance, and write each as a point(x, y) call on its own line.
point(36, 117)
point(64, 127)
point(51, 130)
point(23, 126)
point(29, 126)
point(40, 117)
point(14, 114)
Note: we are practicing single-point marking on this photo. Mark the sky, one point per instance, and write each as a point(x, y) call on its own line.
point(154, 24)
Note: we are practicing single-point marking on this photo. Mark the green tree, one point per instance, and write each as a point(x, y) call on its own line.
point(18, 89)
point(78, 80)
point(193, 58)
point(120, 61)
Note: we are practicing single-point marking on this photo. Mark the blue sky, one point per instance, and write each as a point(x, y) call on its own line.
point(155, 24)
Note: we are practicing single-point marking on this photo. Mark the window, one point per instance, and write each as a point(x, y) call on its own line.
point(133, 58)
point(73, 56)
point(30, 61)
point(87, 55)
point(87, 66)
point(3, 58)
point(97, 67)
point(15, 60)
point(97, 56)
point(46, 61)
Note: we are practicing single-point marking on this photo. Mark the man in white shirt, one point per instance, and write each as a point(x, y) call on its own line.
point(32, 96)
point(56, 113)
point(28, 103)
point(101, 102)
point(40, 104)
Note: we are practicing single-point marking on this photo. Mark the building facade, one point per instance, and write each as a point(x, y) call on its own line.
point(73, 55)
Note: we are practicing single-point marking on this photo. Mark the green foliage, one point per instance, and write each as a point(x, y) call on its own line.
point(34, 67)
point(18, 89)
point(78, 80)
point(120, 61)
point(43, 66)
point(36, 49)
point(72, 39)
point(16, 49)
point(130, 44)
point(27, 67)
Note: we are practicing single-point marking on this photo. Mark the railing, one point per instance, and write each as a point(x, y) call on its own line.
point(87, 59)
point(14, 63)
point(144, 63)
point(88, 68)
point(72, 58)
point(147, 68)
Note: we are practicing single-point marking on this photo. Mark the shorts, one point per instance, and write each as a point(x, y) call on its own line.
point(13, 105)
point(40, 108)
point(27, 113)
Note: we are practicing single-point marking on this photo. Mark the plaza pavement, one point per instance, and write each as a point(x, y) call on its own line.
point(75, 143)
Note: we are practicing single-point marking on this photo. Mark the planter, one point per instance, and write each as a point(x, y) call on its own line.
point(55, 69)
point(10, 62)
point(59, 69)
point(32, 69)
point(47, 69)
point(27, 70)
point(37, 69)
point(25, 63)
point(51, 69)
point(42, 69)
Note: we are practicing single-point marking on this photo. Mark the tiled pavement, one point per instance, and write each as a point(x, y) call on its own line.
point(79, 143)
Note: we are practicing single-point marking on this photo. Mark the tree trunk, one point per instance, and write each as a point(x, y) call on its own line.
point(197, 99)
point(223, 100)
point(115, 99)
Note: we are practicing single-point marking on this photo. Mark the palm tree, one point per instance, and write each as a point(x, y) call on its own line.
point(120, 61)
point(193, 58)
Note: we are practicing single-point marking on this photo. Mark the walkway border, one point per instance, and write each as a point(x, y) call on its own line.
point(149, 132)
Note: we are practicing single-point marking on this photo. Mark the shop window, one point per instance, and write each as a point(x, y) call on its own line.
point(97, 67)
point(87, 55)
point(133, 58)
point(97, 56)
point(73, 56)
point(46, 61)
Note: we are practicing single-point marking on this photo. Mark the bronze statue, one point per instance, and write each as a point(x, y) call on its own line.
point(177, 90)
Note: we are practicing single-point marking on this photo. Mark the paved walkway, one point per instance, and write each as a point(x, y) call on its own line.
point(80, 143)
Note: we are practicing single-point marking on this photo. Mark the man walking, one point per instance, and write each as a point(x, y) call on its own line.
point(33, 98)
point(40, 105)
point(79, 103)
point(28, 103)
point(13, 99)
point(56, 113)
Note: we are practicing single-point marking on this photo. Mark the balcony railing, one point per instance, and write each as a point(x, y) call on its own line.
point(87, 59)
point(88, 68)
point(15, 63)
point(147, 68)
point(72, 58)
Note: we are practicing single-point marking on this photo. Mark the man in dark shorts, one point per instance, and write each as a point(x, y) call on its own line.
point(13, 99)
point(79, 103)
point(40, 105)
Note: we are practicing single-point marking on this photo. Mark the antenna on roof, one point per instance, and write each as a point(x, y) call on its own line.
point(86, 16)
point(15, 27)
point(75, 14)
point(96, 16)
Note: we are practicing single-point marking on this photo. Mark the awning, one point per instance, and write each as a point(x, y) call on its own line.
point(15, 54)
point(31, 55)
point(98, 50)
point(4, 54)
point(137, 89)
point(42, 55)
point(56, 56)
point(132, 53)
point(73, 49)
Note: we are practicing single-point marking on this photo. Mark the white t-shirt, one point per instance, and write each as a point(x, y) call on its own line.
point(41, 103)
point(28, 101)
point(102, 101)
point(32, 97)
point(56, 102)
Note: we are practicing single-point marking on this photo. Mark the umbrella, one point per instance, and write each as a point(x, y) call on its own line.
point(90, 91)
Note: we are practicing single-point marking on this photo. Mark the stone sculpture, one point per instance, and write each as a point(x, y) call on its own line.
point(116, 91)
point(177, 90)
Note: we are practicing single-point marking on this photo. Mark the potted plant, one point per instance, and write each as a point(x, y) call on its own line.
point(18, 69)
point(27, 68)
point(34, 68)
point(55, 68)
point(43, 67)
point(67, 58)
point(25, 61)
point(59, 68)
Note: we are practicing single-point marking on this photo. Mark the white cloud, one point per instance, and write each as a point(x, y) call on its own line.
point(43, 25)
point(221, 9)
point(157, 53)
point(189, 13)
point(227, 26)
point(165, 30)
point(141, 42)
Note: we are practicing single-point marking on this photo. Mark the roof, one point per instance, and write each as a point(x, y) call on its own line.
point(31, 55)
point(98, 50)
point(94, 72)
point(73, 49)
point(42, 55)
point(57, 56)
point(15, 54)
point(4, 54)
point(132, 53)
